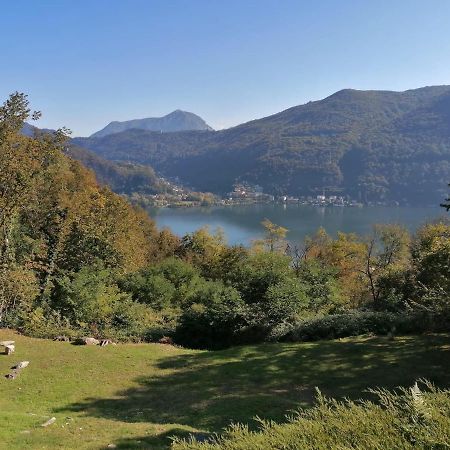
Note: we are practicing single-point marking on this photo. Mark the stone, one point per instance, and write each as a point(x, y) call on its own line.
point(49, 422)
point(21, 365)
point(86, 341)
point(12, 375)
point(9, 349)
point(166, 340)
point(62, 338)
point(16, 370)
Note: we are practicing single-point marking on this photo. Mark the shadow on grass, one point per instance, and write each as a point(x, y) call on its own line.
point(208, 390)
point(159, 442)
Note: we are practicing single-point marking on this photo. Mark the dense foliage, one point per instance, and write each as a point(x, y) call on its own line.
point(408, 419)
point(371, 145)
point(63, 238)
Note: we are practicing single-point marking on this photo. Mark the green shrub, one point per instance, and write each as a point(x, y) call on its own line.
point(18, 289)
point(255, 275)
point(284, 301)
point(214, 319)
point(88, 298)
point(45, 323)
point(276, 312)
point(320, 286)
point(407, 419)
point(367, 322)
point(151, 289)
point(168, 284)
point(178, 272)
point(132, 321)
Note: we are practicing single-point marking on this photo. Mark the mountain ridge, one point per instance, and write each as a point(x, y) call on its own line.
point(177, 120)
point(375, 146)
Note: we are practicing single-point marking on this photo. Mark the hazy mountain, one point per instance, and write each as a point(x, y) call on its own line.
point(372, 145)
point(175, 121)
point(29, 130)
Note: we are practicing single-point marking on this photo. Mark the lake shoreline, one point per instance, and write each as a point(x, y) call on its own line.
point(241, 224)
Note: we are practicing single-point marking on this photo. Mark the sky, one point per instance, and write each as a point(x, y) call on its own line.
point(84, 63)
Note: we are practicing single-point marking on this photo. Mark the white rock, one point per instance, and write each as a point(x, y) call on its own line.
point(49, 422)
point(9, 349)
point(21, 365)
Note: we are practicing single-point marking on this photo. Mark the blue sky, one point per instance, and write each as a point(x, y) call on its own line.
point(85, 63)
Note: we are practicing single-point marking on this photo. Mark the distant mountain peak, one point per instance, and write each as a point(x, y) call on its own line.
point(177, 120)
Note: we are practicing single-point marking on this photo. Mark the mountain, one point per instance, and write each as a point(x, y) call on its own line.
point(175, 121)
point(122, 177)
point(370, 145)
point(29, 130)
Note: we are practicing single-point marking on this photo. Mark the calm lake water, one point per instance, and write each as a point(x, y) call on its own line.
point(242, 224)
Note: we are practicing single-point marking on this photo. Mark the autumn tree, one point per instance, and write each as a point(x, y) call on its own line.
point(386, 250)
point(55, 219)
point(274, 239)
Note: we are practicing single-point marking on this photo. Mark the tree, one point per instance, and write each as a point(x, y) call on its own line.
point(202, 249)
point(55, 219)
point(214, 319)
point(274, 237)
point(257, 273)
point(431, 262)
point(387, 249)
point(283, 302)
point(446, 204)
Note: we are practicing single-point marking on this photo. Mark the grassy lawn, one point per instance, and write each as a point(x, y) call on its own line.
point(137, 395)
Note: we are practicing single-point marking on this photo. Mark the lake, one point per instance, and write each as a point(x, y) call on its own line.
point(242, 223)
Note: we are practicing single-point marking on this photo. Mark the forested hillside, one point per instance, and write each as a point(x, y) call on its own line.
point(122, 177)
point(371, 145)
point(55, 221)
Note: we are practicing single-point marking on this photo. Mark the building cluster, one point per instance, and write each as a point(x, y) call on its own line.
point(247, 192)
point(177, 195)
point(320, 200)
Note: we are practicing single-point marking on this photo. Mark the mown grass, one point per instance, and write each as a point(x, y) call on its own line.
point(138, 395)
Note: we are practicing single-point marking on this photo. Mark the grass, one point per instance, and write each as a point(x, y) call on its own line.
point(138, 395)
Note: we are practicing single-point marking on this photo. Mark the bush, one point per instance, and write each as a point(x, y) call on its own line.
point(88, 298)
point(18, 289)
point(151, 289)
point(320, 287)
point(168, 284)
point(132, 321)
point(367, 322)
point(214, 319)
point(44, 323)
point(408, 419)
point(273, 316)
point(255, 275)
point(284, 301)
